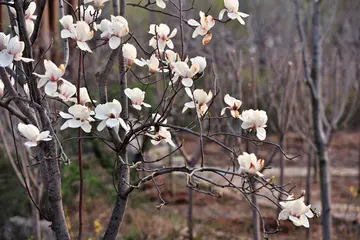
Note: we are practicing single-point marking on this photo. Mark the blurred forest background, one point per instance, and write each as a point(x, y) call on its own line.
point(259, 63)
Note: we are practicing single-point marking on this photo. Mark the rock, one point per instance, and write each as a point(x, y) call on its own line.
point(21, 228)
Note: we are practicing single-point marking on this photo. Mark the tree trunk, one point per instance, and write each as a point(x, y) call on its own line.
point(318, 127)
point(308, 184)
point(36, 222)
point(190, 213)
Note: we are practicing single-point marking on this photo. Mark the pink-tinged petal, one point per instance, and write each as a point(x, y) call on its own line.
point(26, 59)
point(114, 42)
point(173, 33)
point(223, 111)
point(137, 107)
point(235, 113)
point(42, 81)
point(5, 59)
point(170, 44)
point(146, 105)
point(73, 123)
point(246, 125)
point(30, 144)
point(207, 38)
point(221, 14)
point(65, 125)
point(194, 23)
point(241, 21)
point(261, 133)
point(86, 127)
point(83, 46)
point(43, 136)
point(50, 88)
point(112, 122)
point(187, 82)
point(284, 214)
point(101, 125)
point(66, 115)
point(124, 125)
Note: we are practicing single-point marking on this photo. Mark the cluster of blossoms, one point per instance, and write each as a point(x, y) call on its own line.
point(29, 17)
point(164, 59)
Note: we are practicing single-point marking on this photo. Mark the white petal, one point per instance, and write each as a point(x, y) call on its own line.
point(261, 133)
point(187, 82)
point(114, 42)
point(221, 14)
point(101, 125)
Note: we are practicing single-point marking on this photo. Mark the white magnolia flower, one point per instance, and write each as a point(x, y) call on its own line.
point(152, 63)
point(181, 69)
point(233, 104)
point(160, 134)
point(13, 52)
point(203, 27)
point(171, 57)
point(137, 97)
point(89, 14)
point(250, 164)
point(200, 98)
point(78, 116)
point(52, 75)
point(161, 38)
point(97, 3)
point(109, 114)
point(232, 7)
point(29, 12)
point(33, 135)
point(114, 30)
point(84, 97)
point(296, 211)
point(29, 27)
point(67, 22)
point(255, 120)
point(65, 90)
point(4, 40)
point(161, 3)
point(163, 135)
point(80, 32)
point(130, 53)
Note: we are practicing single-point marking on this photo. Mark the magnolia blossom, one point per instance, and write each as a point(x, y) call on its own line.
point(130, 53)
point(200, 98)
point(66, 90)
point(52, 75)
point(137, 97)
point(29, 24)
point(232, 7)
point(296, 211)
point(29, 16)
point(255, 120)
point(233, 104)
point(203, 27)
point(161, 3)
point(161, 38)
point(152, 63)
point(114, 30)
point(89, 14)
point(163, 135)
point(109, 114)
point(250, 164)
point(33, 135)
point(13, 52)
point(78, 116)
point(80, 32)
point(182, 69)
point(160, 134)
point(171, 57)
point(84, 97)
point(97, 3)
